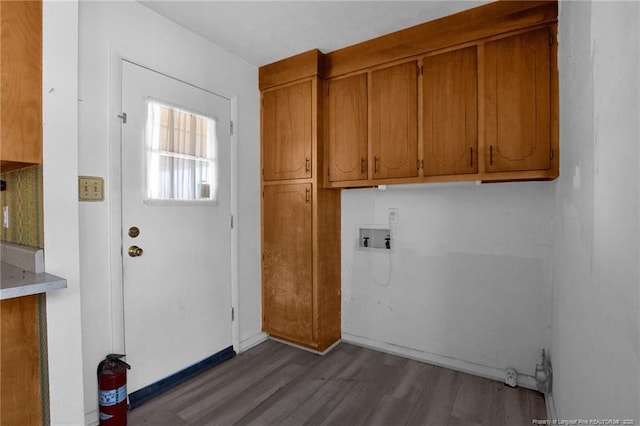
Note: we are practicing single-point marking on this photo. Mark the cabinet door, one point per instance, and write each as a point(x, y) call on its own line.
point(517, 102)
point(287, 267)
point(450, 113)
point(21, 84)
point(20, 361)
point(394, 117)
point(286, 132)
point(347, 128)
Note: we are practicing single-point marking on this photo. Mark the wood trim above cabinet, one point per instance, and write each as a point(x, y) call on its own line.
point(303, 65)
point(474, 24)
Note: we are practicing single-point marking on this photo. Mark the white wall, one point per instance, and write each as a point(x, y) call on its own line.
point(139, 34)
point(470, 286)
point(596, 318)
point(60, 171)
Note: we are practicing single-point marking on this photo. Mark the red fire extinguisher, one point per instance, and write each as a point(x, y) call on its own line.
point(112, 390)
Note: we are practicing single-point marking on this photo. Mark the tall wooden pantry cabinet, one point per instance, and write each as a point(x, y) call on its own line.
point(300, 218)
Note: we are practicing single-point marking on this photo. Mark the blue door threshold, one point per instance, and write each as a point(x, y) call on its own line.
point(143, 395)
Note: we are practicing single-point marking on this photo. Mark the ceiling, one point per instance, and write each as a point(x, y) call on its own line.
point(262, 32)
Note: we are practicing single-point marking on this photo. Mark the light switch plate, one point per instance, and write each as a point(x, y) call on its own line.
point(90, 188)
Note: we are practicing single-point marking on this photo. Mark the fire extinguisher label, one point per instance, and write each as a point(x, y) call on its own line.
point(112, 396)
point(104, 416)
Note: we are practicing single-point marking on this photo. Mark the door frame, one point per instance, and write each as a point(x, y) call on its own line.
point(114, 191)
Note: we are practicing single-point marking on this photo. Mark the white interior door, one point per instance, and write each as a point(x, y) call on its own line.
point(177, 291)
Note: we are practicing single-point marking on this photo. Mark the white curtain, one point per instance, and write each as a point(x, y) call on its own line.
point(181, 160)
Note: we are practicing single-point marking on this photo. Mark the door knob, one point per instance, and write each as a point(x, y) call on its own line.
point(135, 251)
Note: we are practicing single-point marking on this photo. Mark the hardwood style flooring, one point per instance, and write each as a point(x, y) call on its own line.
point(275, 384)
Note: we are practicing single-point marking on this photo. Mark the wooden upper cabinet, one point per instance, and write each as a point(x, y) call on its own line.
point(287, 262)
point(517, 102)
point(394, 121)
point(21, 84)
point(450, 113)
point(347, 128)
point(287, 131)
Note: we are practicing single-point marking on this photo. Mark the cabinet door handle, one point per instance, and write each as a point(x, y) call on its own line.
point(363, 166)
point(471, 156)
point(376, 164)
point(307, 164)
point(307, 195)
point(491, 155)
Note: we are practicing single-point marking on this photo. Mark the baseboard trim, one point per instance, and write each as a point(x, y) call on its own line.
point(141, 396)
point(493, 373)
point(252, 341)
point(326, 351)
point(91, 418)
point(552, 413)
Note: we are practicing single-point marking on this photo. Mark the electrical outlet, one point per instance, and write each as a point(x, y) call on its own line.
point(394, 216)
point(90, 188)
point(5, 217)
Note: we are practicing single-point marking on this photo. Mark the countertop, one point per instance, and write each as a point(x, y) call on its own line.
point(18, 282)
point(22, 272)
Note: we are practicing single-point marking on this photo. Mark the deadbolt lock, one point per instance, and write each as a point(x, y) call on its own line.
point(134, 231)
point(135, 251)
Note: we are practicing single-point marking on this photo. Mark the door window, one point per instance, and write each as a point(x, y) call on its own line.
point(181, 154)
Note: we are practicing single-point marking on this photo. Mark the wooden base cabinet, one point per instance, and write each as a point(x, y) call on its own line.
point(21, 388)
point(301, 264)
point(287, 261)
